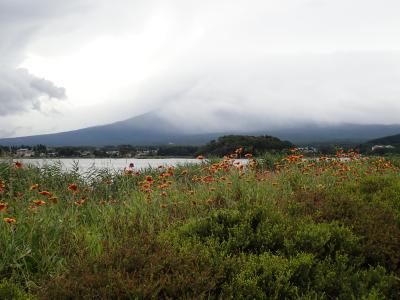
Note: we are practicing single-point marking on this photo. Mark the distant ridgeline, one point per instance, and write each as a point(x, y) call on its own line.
point(388, 144)
point(251, 144)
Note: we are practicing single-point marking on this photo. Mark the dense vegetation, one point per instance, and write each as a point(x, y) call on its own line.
point(279, 228)
point(392, 141)
point(251, 144)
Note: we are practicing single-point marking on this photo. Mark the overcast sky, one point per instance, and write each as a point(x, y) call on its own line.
point(211, 65)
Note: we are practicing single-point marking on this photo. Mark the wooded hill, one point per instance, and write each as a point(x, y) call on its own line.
point(250, 144)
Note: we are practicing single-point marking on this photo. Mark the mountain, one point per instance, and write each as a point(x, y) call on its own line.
point(153, 129)
point(338, 133)
point(387, 140)
point(147, 129)
point(383, 145)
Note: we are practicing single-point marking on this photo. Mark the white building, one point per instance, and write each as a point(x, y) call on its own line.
point(24, 152)
point(376, 147)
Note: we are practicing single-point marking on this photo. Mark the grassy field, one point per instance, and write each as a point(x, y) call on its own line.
point(277, 228)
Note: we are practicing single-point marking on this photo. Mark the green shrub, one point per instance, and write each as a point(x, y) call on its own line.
point(11, 291)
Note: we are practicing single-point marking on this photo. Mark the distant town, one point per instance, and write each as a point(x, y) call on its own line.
point(256, 145)
point(120, 151)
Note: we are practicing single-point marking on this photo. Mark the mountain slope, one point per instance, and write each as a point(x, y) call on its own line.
point(152, 129)
point(387, 140)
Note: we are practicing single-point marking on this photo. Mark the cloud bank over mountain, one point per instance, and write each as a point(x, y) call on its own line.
point(212, 65)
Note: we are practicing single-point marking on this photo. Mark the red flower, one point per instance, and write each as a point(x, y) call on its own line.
point(39, 202)
point(18, 164)
point(53, 200)
point(2, 186)
point(9, 220)
point(45, 193)
point(34, 187)
point(73, 187)
point(3, 206)
point(149, 179)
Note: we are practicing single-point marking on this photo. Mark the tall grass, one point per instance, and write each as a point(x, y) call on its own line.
point(276, 228)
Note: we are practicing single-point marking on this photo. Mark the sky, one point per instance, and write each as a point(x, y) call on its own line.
point(206, 65)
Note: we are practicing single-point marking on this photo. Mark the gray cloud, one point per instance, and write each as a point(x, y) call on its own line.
point(279, 90)
point(20, 22)
point(21, 91)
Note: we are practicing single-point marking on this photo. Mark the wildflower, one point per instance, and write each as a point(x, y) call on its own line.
point(200, 157)
point(2, 186)
point(9, 220)
point(73, 187)
point(19, 194)
point(239, 150)
point(248, 155)
point(39, 202)
point(18, 165)
point(149, 179)
point(162, 205)
point(3, 206)
point(128, 172)
point(184, 172)
point(34, 187)
point(33, 208)
point(53, 200)
point(80, 201)
point(163, 186)
point(164, 194)
point(45, 193)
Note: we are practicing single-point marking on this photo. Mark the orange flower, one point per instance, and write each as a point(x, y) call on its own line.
point(3, 206)
point(128, 172)
point(164, 194)
point(149, 179)
point(201, 157)
point(162, 205)
point(2, 186)
point(45, 193)
point(53, 200)
point(72, 187)
point(9, 220)
point(248, 155)
point(163, 186)
point(34, 187)
point(80, 201)
point(33, 208)
point(18, 165)
point(39, 202)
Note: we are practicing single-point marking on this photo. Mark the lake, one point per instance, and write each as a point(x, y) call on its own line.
point(113, 164)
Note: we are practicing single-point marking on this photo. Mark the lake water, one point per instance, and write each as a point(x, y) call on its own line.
point(113, 164)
